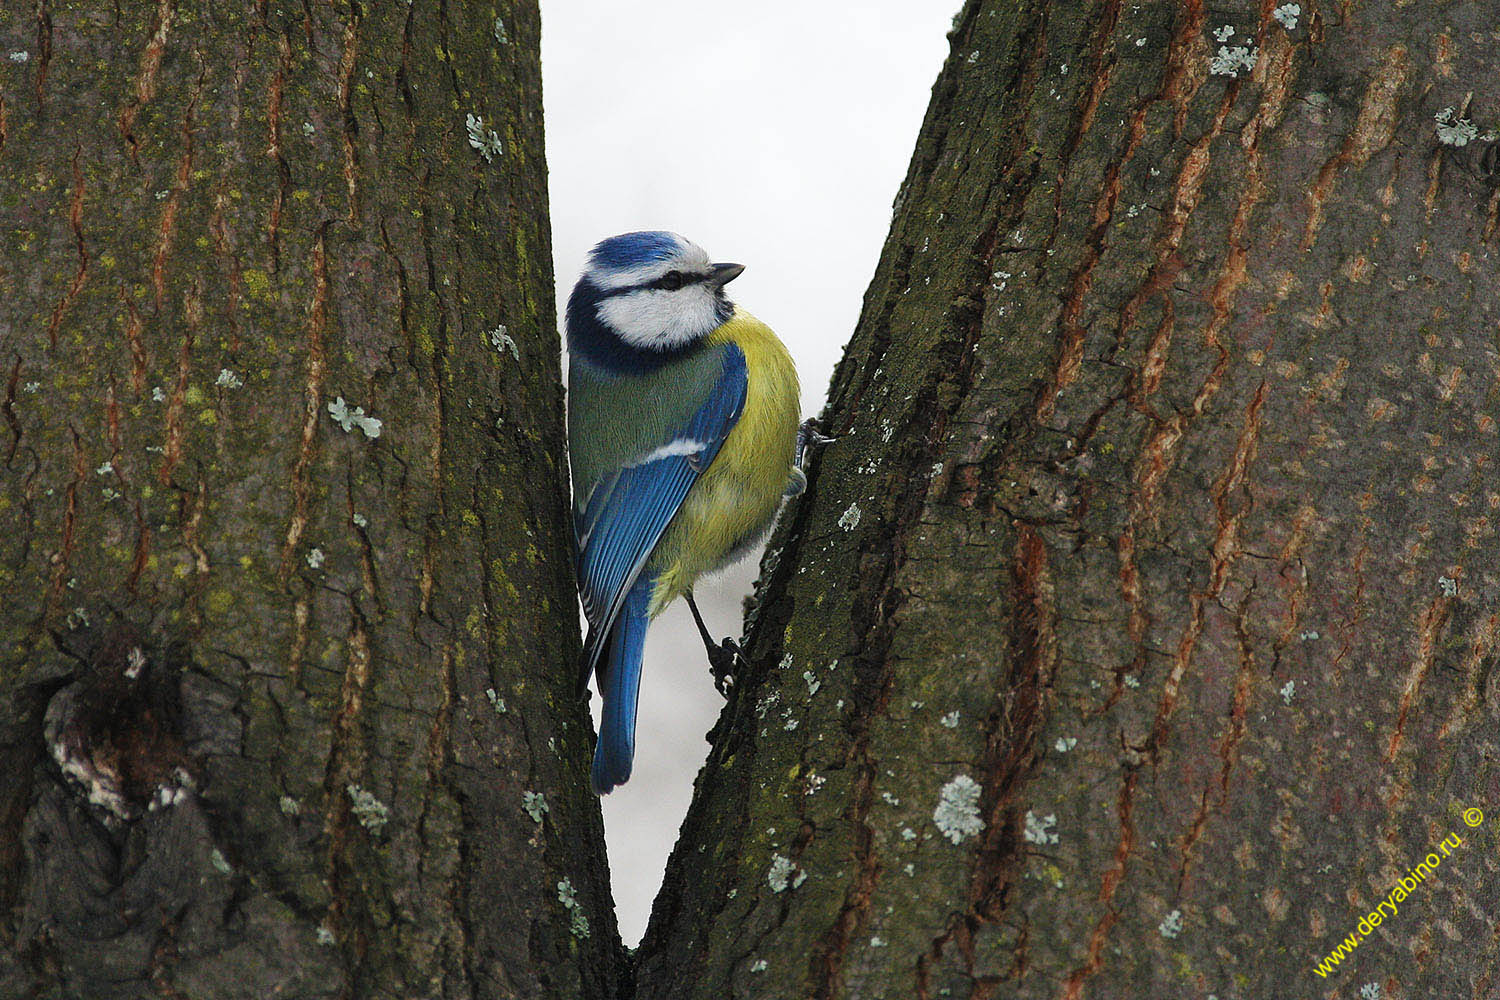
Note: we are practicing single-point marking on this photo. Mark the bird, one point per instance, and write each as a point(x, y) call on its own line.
point(683, 441)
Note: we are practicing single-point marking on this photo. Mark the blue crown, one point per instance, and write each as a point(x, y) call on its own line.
point(633, 249)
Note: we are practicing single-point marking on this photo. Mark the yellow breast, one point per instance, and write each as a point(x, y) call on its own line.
point(732, 505)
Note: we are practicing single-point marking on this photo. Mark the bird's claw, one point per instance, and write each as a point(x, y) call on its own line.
point(721, 663)
point(808, 438)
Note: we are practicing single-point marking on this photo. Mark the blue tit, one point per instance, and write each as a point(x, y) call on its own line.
point(683, 437)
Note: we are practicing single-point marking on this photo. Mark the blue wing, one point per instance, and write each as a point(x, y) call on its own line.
point(621, 520)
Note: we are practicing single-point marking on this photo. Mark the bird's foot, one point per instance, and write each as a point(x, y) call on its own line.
point(722, 660)
point(808, 438)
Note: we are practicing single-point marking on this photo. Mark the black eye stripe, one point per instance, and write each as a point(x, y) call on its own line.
point(687, 279)
point(673, 280)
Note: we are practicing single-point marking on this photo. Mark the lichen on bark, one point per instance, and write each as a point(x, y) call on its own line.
point(223, 219)
point(1162, 509)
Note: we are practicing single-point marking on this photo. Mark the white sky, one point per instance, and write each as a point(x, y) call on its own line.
point(774, 134)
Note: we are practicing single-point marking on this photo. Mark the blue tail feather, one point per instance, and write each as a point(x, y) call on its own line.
point(620, 684)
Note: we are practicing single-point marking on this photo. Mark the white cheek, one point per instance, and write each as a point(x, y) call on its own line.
point(661, 319)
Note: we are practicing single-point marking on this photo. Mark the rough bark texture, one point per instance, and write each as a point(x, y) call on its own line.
point(1164, 509)
point(219, 219)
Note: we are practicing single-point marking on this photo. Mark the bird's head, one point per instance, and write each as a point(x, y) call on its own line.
point(649, 293)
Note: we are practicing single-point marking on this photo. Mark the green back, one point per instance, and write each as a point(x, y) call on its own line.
point(613, 420)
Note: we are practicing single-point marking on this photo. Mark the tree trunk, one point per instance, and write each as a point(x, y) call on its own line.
point(287, 659)
point(1134, 638)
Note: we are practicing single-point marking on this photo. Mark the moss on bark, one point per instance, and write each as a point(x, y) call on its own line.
point(227, 227)
point(1163, 511)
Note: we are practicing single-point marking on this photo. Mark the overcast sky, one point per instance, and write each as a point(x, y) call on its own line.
point(772, 134)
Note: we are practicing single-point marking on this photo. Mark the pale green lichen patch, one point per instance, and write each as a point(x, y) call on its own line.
point(1040, 830)
point(957, 812)
point(483, 139)
point(1453, 130)
point(370, 811)
point(349, 418)
point(501, 340)
point(784, 874)
point(578, 924)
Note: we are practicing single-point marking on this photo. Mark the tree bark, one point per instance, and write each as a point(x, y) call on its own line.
point(278, 695)
point(1134, 638)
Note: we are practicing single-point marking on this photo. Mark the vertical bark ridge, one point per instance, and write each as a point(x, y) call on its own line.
point(226, 219)
point(1073, 673)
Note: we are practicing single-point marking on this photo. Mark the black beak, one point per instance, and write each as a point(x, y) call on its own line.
point(722, 274)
